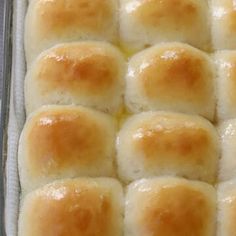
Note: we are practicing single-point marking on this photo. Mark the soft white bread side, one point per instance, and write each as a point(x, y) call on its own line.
point(223, 14)
point(161, 143)
point(78, 207)
point(171, 76)
point(65, 141)
point(170, 206)
point(145, 23)
point(226, 84)
point(227, 167)
point(51, 22)
point(226, 209)
point(83, 73)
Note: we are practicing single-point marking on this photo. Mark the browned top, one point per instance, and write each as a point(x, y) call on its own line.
point(175, 141)
point(176, 211)
point(57, 16)
point(71, 209)
point(64, 139)
point(177, 73)
point(168, 13)
point(82, 69)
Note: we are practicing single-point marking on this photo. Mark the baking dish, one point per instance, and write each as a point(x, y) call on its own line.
point(10, 127)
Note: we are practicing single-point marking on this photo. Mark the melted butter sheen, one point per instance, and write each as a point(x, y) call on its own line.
point(176, 73)
point(84, 69)
point(176, 211)
point(182, 141)
point(72, 209)
point(60, 140)
point(58, 15)
point(153, 13)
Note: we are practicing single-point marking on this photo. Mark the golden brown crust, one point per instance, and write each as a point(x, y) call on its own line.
point(176, 72)
point(56, 15)
point(179, 13)
point(84, 68)
point(180, 143)
point(60, 139)
point(76, 208)
point(175, 210)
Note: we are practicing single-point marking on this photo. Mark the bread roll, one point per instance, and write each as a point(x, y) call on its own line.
point(171, 76)
point(65, 141)
point(226, 209)
point(161, 143)
point(85, 73)
point(78, 207)
point(170, 207)
point(57, 21)
point(227, 167)
point(144, 23)
point(223, 24)
point(226, 84)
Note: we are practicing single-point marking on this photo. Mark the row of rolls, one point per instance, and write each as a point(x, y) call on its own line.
point(131, 118)
point(133, 24)
point(167, 76)
point(166, 206)
point(82, 172)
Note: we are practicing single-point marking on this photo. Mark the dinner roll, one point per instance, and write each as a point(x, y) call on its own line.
point(223, 24)
point(144, 23)
point(226, 84)
point(226, 209)
point(78, 207)
point(227, 131)
point(65, 141)
point(50, 22)
point(161, 143)
point(170, 207)
point(86, 73)
point(171, 76)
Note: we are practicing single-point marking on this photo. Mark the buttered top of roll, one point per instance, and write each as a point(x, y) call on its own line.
point(48, 22)
point(56, 15)
point(173, 74)
point(176, 135)
point(169, 206)
point(173, 71)
point(168, 13)
point(79, 207)
point(87, 73)
point(170, 141)
point(60, 138)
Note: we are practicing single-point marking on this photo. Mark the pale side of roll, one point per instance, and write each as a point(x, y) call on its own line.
point(226, 209)
point(226, 84)
point(227, 164)
point(223, 18)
